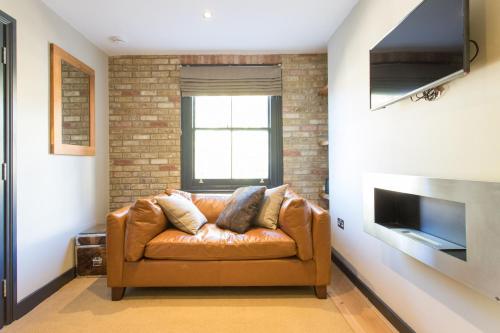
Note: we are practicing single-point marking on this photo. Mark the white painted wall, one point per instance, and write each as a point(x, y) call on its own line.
point(57, 196)
point(457, 137)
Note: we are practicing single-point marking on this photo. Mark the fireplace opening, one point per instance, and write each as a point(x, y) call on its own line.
point(437, 223)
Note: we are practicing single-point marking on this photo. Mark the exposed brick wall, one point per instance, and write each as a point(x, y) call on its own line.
point(145, 124)
point(144, 121)
point(305, 123)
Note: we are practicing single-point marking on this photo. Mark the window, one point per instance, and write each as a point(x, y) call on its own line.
point(231, 141)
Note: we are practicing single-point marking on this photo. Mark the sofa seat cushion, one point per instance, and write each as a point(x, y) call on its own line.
point(213, 243)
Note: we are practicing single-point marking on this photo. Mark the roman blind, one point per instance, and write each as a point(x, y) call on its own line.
point(230, 80)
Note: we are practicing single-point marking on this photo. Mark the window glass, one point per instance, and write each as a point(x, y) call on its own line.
point(212, 111)
point(231, 154)
point(250, 154)
point(212, 154)
point(231, 141)
point(250, 111)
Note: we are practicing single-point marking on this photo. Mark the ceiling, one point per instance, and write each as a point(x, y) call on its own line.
point(178, 26)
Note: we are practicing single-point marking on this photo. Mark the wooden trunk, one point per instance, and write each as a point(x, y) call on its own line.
point(88, 239)
point(90, 252)
point(90, 260)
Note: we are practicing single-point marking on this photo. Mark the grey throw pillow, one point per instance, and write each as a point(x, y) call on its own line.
point(241, 209)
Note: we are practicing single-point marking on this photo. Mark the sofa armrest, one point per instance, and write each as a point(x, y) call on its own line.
point(115, 241)
point(321, 244)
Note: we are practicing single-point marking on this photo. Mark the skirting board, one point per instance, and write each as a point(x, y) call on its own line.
point(30, 302)
point(384, 309)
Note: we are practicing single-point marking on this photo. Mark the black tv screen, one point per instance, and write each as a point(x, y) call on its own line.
point(428, 48)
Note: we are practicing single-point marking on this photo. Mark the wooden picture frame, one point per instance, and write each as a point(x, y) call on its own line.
point(57, 56)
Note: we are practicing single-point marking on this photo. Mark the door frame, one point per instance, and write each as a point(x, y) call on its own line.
point(10, 193)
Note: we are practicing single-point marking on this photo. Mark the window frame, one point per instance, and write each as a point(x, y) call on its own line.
point(275, 151)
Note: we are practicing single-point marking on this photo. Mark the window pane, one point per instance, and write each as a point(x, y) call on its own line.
point(212, 111)
point(250, 111)
point(250, 154)
point(212, 154)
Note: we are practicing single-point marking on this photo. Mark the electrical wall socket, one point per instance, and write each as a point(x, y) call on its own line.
point(340, 223)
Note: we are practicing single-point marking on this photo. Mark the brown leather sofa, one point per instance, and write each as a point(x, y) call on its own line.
point(295, 254)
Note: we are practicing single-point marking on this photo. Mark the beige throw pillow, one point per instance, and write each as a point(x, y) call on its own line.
point(184, 194)
point(182, 213)
point(270, 209)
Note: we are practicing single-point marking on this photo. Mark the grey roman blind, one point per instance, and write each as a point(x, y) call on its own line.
point(230, 80)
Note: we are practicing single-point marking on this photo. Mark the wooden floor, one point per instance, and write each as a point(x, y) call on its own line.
point(357, 310)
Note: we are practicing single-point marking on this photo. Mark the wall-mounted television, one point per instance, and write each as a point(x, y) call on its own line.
point(428, 48)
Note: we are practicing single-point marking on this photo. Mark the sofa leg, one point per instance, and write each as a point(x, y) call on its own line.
point(117, 293)
point(320, 292)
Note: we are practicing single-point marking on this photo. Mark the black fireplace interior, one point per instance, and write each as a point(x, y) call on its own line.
point(438, 223)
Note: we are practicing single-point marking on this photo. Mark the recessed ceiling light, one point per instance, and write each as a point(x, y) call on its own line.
point(207, 14)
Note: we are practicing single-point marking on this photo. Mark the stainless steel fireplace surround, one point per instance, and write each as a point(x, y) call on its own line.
point(450, 225)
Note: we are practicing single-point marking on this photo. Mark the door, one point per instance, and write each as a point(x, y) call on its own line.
point(3, 219)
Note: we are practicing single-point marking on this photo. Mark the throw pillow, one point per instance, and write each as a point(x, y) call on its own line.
point(184, 194)
point(241, 209)
point(182, 213)
point(270, 208)
point(145, 220)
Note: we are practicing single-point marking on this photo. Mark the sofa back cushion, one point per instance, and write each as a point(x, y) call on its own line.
point(211, 205)
point(145, 220)
point(295, 219)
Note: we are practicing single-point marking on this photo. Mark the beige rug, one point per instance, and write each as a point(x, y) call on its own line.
point(84, 305)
